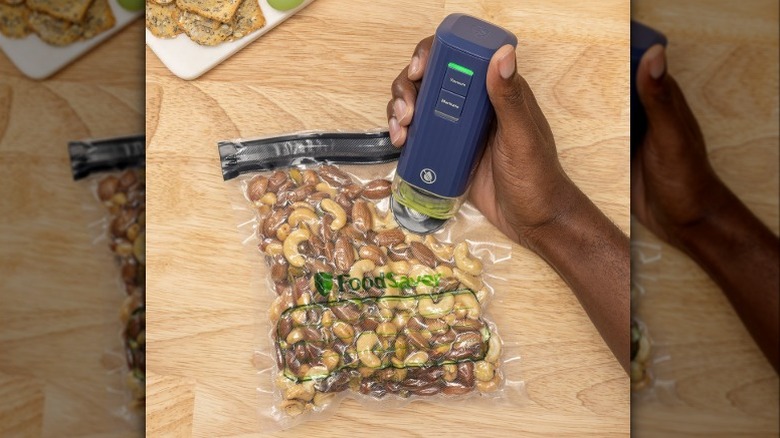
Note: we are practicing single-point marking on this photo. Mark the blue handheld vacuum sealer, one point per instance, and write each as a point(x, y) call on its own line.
point(451, 120)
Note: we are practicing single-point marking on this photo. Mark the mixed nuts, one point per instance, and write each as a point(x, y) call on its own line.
point(125, 198)
point(360, 303)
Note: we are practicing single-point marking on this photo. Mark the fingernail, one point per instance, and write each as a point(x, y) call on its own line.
point(657, 59)
point(395, 129)
point(506, 63)
point(399, 108)
point(415, 65)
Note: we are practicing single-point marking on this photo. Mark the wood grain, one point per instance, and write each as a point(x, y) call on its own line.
point(59, 293)
point(330, 67)
point(715, 381)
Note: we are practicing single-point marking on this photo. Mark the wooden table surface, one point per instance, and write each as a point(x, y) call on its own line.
point(330, 67)
point(59, 293)
point(715, 382)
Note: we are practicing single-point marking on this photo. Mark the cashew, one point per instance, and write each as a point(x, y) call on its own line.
point(411, 237)
point(444, 270)
point(322, 399)
point(295, 336)
point(484, 371)
point(290, 247)
point(274, 248)
point(330, 359)
point(380, 223)
point(337, 211)
point(301, 204)
point(301, 391)
point(419, 270)
point(417, 358)
point(283, 231)
point(494, 349)
point(365, 345)
point(466, 263)
point(268, 199)
point(442, 250)
point(386, 329)
point(344, 331)
point(490, 385)
point(400, 267)
point(427, 308)
point(325, 188)
point(327, 318)
point(468, 303)
point(360, 267)
point(450, 372)
point(292, 408)
point(468, 280)
point(303, 215)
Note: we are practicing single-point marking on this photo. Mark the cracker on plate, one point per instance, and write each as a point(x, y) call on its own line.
point(204, 30)
point(220, 10)
point(53, 30)
point(249, 18)
point(13, 20)
point(70, 10)
point(98, 20)
point(162, 20)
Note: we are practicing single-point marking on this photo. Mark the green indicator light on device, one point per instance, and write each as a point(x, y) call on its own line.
point(460, 68)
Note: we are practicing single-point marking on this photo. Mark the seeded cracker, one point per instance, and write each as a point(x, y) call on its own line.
point(13, 20)
point(99, 19)
point(248, 19)
point(220, 10)
point(162, 20)
point(204, 30)
point(52, 30)
point(163, 2)
point(71, 10)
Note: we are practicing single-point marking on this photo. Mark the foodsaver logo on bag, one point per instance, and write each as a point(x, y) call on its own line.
point(323, 281)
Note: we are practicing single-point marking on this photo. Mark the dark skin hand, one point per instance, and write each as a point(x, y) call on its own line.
point(678, 196)
point(522, 189)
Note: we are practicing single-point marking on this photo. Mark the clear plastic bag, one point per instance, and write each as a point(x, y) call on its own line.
point(113, 170)
point(357, 306)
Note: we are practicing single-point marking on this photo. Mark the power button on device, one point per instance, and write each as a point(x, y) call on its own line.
point(457, 79)
point(453, 91)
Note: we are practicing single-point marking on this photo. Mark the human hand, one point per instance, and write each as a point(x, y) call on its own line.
point(673, 185)
point(519, 184)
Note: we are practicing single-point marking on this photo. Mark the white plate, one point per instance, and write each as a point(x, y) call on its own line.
point(39, 60)
point(188, 60)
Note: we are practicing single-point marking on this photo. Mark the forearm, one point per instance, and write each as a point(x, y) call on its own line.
point(741, 255)
point(593, 257)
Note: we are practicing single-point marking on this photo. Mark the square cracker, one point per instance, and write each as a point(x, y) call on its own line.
point(162, 20)
point(54, 31)
point(248, 19)
point(70, 10)
point(98, 20)
point(13, 20)
point(220, 10)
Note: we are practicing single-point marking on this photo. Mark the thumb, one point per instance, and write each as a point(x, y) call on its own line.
point(505, 87)
point(518, 115)
point(669, 118)
point(658, 92)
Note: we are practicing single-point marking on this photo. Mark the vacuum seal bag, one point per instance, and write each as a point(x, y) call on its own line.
point(113, 170)
point(356, 305)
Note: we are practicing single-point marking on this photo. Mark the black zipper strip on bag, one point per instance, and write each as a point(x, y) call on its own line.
point(244, 156)
point(91, 156)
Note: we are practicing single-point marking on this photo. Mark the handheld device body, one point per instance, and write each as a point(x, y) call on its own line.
point(452, 116)
point(642, 38)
